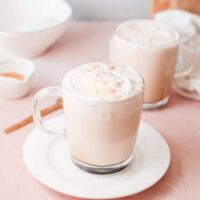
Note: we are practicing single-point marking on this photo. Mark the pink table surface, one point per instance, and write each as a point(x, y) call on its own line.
point(179, 123)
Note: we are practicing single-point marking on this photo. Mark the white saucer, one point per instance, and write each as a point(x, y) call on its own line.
point(47, 158)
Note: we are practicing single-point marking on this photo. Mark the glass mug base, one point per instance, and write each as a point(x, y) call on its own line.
point(158, 104)
point(109, 169)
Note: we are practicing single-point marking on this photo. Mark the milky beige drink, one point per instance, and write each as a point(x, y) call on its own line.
point(151, 48)
point(102, 106)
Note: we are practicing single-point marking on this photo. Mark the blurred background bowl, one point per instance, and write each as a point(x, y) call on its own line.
point(29, 27)
point(12, 88)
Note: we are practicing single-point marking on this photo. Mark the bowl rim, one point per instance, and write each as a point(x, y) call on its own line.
point(68, 16)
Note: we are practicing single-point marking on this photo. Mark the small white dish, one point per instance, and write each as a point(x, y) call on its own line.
point(12, 88)
point(47, 158)
point(33, 26)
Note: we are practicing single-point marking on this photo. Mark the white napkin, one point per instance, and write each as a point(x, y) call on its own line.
point(187, 82)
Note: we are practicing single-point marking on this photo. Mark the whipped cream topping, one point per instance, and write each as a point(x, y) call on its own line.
point(146, 33)
point(103, 82)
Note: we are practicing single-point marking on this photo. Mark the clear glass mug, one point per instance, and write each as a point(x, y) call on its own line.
point(101, 135)
point(155, 64)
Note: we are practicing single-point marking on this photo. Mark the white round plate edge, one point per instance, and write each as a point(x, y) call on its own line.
point(73, 192)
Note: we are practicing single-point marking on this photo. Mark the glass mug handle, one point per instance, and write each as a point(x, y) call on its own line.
point(41, 94)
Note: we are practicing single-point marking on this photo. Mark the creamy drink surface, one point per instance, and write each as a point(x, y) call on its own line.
point(151, 48)
point(146, 34)
point(102, 105)
point(103, 82)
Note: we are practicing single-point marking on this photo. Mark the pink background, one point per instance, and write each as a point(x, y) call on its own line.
point(179, 123)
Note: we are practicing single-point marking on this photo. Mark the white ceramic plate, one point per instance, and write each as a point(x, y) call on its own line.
point(47, 158)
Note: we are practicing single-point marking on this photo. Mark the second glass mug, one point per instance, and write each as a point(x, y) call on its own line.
point(99, 143)
point(155, 64)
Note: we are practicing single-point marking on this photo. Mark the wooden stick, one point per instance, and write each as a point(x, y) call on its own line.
point(29, 119)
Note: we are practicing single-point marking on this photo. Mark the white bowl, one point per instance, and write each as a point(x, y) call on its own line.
point(11, 88)
point(29, 27)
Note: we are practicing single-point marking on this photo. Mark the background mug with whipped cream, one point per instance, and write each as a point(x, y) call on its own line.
point(151, 49)
point(102, 107)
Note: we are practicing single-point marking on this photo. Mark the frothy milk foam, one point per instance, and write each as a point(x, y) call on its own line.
point(146, 33)
point(102, 104)
point(103, 82)
point(151, 48)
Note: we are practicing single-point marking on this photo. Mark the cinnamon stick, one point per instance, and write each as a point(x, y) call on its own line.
point(29, 119)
